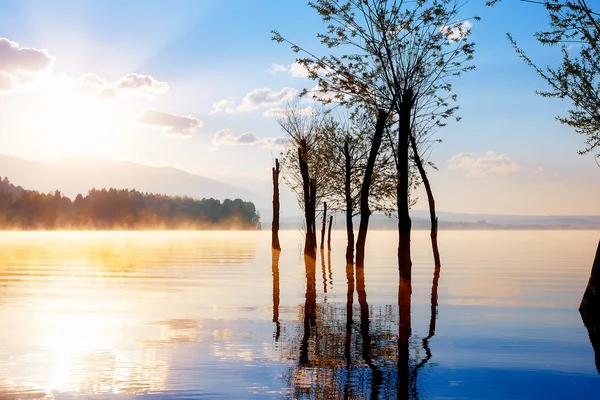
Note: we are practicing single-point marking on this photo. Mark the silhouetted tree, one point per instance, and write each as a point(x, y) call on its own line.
point(324, 225)
point(347, 145)
point(416, 151)
point(302, 168)
point(275, 226)
point(329, 232)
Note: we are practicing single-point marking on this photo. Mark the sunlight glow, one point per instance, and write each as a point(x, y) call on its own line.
point(74, 123)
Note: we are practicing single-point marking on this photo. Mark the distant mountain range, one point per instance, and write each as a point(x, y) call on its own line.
point(459, 221)
point(78, 175)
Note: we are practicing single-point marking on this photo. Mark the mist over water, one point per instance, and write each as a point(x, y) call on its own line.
point(217, 315)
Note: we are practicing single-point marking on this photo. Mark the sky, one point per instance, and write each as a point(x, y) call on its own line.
point(195, 84)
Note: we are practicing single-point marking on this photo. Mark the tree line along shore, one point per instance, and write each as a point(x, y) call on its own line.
point(108, 209)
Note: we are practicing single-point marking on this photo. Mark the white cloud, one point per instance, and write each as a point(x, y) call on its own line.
point(129, 85)
point(226, 105)
point(171, 124)
point(94, 85)
point(295, 69)
point(275, 68)
point(226, 137)
point(138, 84)
point(256, 99)
point(265, 97)
point(458, 31)
point(281, 112)
point(489, 165)
point(276, 143)
point(298, 71)
point(18, 65)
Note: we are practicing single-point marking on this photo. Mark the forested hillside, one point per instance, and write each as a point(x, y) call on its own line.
point(119, 209)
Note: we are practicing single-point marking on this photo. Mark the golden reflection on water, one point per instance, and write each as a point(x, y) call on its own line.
point(139, 312)
point(68, 306)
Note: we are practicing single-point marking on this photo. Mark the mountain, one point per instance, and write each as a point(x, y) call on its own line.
point(461, 221)
point(78, 175)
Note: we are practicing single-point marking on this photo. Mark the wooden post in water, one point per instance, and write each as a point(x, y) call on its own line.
point(329, 232)
point(275, 226)
point(324, 224)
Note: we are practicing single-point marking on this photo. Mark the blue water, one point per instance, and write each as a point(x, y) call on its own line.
point(203, 315)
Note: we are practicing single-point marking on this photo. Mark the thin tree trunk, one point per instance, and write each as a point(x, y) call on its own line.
point(313, 216)
point(404, 222)
point(324, 225)
point(365, 212)
point(309, 243)
point(329, 232)
point(275, 226)
point(431, 200)
point(349, 205)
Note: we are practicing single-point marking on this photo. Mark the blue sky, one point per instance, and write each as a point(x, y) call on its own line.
point(516, 158)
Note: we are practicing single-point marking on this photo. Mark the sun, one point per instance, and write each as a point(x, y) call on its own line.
point(72, 123)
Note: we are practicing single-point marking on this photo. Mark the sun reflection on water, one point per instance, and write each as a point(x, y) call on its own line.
point(201, 314)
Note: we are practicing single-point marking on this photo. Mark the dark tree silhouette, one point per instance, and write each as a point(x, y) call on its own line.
point(329, 233)
point(324, 225)
point(275, 226)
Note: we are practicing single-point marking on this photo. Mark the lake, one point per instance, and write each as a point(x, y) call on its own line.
point(217, 315)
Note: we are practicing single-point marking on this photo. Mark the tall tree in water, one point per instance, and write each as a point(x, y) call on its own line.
point(350, 81)
point(346, 146)
point(301, 161)
point(275, 226)
point(399, 59)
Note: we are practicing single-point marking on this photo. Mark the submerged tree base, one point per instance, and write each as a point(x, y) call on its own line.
point(590, 304)
point(590, 308)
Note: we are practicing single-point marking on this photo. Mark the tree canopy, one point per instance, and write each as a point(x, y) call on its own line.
point(573, 28)
point(120, 209)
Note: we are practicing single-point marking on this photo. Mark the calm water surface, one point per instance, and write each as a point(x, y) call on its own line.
point(216, 315)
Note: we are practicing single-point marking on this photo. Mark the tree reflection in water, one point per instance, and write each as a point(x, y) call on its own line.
point(333, 356)
point(275, 271)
